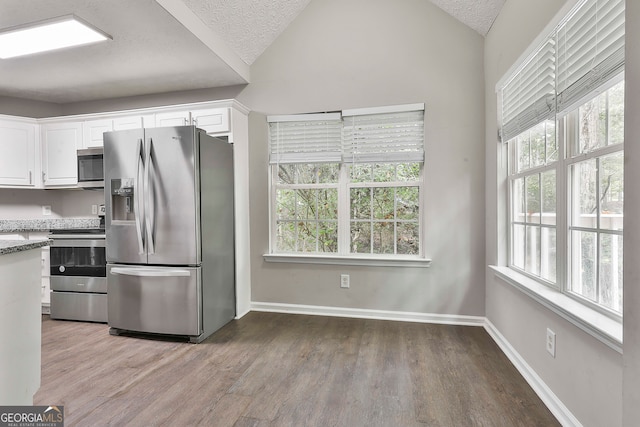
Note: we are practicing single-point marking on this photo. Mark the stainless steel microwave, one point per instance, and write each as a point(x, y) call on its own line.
point(90, 168)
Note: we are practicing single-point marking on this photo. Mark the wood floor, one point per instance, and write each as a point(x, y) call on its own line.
point(287, 370)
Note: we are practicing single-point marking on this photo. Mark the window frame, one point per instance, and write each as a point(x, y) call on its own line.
point(566, 126)
point(343, 255)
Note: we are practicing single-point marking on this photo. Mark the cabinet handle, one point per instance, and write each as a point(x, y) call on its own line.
point(30, 177)
point(44, 176)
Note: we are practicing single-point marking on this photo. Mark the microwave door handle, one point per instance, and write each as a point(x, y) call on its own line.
point(138, 207)
point(148, 186)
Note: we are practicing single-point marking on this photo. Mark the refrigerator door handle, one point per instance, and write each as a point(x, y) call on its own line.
point(150, 200)
point(138, 207)
point(151, 272)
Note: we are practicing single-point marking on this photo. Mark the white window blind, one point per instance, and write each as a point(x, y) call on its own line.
point(590, 49)
point(529, 97)
point(370, 135)
point(305, 138)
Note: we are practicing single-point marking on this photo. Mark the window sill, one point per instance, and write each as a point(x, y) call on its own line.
point(348, 260)
point(596, 324)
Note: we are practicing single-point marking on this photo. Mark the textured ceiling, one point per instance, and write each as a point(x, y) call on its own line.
point(477, 14)
point(248, 26)
point(164, 45)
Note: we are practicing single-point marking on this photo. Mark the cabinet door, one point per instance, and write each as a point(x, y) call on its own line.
point(180, 118)
point(17, 145)
point(59, 159)
point(93, 130)
point(133, 122)
point(212, 121)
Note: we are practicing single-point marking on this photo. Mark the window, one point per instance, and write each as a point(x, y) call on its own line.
point(349, 183)
point(563, 122)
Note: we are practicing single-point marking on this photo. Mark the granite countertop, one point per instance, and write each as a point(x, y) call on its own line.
point(12, 246)
point(22, 225)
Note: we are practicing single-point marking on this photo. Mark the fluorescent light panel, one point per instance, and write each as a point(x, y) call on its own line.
point(43, 36)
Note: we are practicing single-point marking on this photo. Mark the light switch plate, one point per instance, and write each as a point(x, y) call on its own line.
point(46, 210)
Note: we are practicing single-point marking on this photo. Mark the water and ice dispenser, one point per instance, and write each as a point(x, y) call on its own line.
point(122, 200)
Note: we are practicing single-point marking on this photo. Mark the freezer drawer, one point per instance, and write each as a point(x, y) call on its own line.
point(79, 306)
point(161, 300)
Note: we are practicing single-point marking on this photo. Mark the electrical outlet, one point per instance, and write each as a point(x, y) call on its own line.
point(344, 280)
point(46, 210)
point(551, 342)
point(94, 209)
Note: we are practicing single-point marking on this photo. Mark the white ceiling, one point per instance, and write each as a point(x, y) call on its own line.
point(164, 45)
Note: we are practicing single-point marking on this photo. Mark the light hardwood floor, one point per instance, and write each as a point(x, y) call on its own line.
point(287, 370)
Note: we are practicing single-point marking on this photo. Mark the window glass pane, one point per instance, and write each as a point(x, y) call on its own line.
point(611, 271)
point(583, 264)
point(286, 204)
point(611, 191)
point(306, 174)
point(592, 124)
point(384, 172)
point(517, 246)
point(584, 194)
point(408, 171)
point(532, 250)
point(408, 238)
point(328, 173)
point(549, 197)
point(286, 174)
point(286, 236)
point(360, 237)
point(306, 204)
point(360, 203)
point(518, 200)
point(383, 238)
point(552, 144)
point(407, 202)
point(383, 203)
point(307, 236)
point(548, 254)
point(532, 183)
point(524, 154)
point(361, 173)
point(616, 114)
point(328, 236)
point(538, 145)
point(328, 203)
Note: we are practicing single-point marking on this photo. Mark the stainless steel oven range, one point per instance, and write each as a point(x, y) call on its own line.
point(78, 275)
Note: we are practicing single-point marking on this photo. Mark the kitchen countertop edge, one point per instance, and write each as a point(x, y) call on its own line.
point(26, 225)
point(13, 246)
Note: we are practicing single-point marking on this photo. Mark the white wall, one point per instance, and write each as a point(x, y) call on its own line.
point(27, 203)
point(586, 375)
point(360, 53)
point(28, 108)
point(631, 390)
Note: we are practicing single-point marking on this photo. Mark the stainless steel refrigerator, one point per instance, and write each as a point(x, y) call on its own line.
point(169, 231)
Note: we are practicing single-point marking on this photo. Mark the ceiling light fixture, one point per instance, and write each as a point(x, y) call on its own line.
point(51, 34)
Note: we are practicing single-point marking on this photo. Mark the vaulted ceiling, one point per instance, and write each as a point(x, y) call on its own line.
point(164, 45)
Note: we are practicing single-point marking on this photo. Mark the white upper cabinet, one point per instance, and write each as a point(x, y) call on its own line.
point(212, 121)
point(92, 132)
point(59, 159)
point(133, 122)
point(173, 118)
point(18, 153)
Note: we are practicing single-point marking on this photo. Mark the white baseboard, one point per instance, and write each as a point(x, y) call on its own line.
point(316, 310)
point(555, 405)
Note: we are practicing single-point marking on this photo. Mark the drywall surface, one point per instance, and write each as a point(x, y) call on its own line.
point(28, 108)
point(585, 374)
point(18, 203)
point(631, 373)
point(341, 54)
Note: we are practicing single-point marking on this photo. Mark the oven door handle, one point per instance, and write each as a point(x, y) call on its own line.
point(150, 272)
